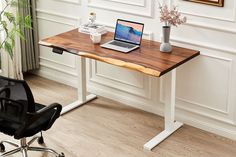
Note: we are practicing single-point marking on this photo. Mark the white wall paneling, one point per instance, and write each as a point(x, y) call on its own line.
point(140, 3)
point(210, 17)
point(139, 7)
point(196, 96)
point(206, 86)
point(227, 13)
point(108, 75)
point(70, 1)
point(66, 64)
point(216, 28)
point(199, 44)
point(57, 17)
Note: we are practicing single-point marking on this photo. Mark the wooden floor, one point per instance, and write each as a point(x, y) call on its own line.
point(104, 128)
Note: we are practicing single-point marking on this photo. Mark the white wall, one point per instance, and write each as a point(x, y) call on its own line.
point(206, 86)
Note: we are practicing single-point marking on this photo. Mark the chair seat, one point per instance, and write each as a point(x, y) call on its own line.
point(9, 127)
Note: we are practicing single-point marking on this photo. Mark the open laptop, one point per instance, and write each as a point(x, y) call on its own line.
point(128, 36)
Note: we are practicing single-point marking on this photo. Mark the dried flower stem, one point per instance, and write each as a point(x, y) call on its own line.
point(171, 16)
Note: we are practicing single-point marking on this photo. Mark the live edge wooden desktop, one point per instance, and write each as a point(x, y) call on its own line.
point(147, 59)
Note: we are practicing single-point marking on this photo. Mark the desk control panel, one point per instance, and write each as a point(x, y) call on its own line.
point(57, 51)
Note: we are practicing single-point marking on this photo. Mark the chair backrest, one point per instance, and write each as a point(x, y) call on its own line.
point(19, 100)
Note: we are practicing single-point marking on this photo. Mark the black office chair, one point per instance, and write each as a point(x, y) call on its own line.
point(21, 117)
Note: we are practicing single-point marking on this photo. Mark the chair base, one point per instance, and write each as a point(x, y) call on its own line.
point(24, 147)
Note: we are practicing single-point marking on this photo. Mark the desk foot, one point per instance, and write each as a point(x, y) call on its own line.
point(76, 104)
point(162, 136)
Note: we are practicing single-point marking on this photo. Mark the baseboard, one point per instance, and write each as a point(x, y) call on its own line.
point(207, 126)
point(60, 78)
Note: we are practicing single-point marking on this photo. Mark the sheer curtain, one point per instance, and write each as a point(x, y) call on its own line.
point(29, 47)
point(12, 67)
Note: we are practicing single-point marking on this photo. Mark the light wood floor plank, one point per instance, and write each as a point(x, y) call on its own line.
point(105, 128)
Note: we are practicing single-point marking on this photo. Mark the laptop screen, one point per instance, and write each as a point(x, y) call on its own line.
point(128, 31)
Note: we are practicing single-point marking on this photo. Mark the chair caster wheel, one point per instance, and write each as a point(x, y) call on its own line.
point(40, 140)
point(2, 148)
point(61, 155)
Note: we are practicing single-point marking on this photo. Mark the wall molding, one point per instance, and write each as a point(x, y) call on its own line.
point(63, 78)
point(148, 34)
point(100, 79)
point(59, 63)
point(143, 4)
point(116, 80)
point(232, 19)
point(203, 45)
point(178, 40)
point(45, 15)
point(57, 14)
point(59, 19)
point(58, 69)
point(211, 127)
point(77, 2)
point(226, 112)
point(203, 106)
point(206, 26)
point(213, 117)
point(148, 14)
point(212, 17)
point(55, 21)
point(200, 105)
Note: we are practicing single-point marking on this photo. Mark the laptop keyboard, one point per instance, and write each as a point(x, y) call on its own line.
point(122, 44)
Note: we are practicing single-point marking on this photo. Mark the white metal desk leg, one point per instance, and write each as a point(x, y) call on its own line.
point(82, 84)
point(170, 124)
point(82, 88)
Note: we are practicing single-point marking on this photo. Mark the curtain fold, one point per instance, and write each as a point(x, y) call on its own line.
point(29, 46)
point(12, 67)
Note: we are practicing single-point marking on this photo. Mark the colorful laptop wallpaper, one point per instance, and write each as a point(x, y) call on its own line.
point(130, 32)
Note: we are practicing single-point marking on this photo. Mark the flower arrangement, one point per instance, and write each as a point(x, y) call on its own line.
point(171, 16)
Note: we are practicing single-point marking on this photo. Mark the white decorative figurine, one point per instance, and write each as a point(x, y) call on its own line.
point(92, 18)
point(91, 26)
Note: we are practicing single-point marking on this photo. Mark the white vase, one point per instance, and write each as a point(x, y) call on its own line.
point(165, 45)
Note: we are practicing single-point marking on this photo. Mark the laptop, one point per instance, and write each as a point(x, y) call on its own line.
point(128, 36)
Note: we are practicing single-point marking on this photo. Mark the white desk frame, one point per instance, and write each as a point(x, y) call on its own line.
point(170, 124)
point(83, 98)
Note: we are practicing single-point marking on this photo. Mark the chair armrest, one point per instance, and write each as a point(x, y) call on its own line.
point(46, 109)
point(6, 90)
point(33, 117)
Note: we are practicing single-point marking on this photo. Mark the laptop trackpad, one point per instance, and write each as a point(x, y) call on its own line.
point(122, 44)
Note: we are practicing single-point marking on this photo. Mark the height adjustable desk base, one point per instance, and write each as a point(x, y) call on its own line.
point(162, 136)
point(170, 124)
point(77, 103)
point(83, 98)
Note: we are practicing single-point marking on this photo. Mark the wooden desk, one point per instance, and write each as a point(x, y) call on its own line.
point(148, 59)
